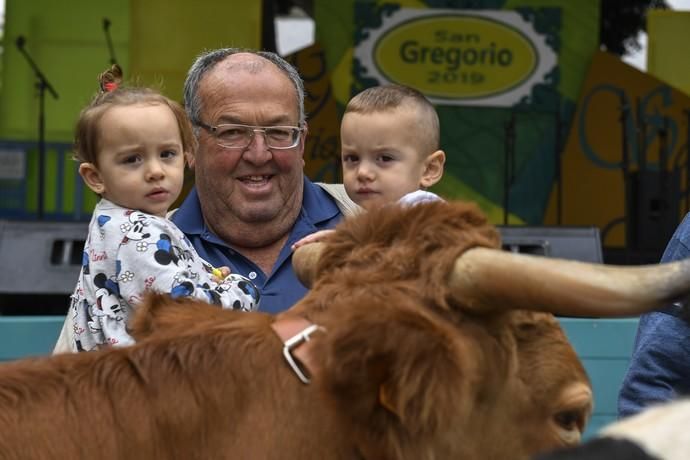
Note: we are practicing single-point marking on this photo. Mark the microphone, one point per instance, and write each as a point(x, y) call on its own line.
point(20, 42)
point(106, 24)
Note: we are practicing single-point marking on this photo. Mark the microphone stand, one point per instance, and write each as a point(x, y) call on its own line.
point(508, 164)
point(630, 206)
point(106, 31)
point(686, 112)
point(42, 84)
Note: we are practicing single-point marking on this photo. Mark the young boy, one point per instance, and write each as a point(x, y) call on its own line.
point(131, 144)
point(390, 152)
point(390, 146)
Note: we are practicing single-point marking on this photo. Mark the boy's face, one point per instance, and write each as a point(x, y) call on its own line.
point(381, 155)
point(140, 158)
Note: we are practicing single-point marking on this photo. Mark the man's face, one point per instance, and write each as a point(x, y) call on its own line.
point(254, 185)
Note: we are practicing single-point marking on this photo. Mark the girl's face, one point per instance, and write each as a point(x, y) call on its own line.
point(140, 158)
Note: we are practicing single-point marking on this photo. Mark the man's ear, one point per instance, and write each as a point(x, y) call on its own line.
point(189, 157)
point(303, 136)
point(92, 178)
point(433, 169)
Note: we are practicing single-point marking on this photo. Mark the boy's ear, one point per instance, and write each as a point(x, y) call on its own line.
point(433, 169)
point(92, 178)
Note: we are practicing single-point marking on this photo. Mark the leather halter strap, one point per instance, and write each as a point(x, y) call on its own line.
point(295, 333)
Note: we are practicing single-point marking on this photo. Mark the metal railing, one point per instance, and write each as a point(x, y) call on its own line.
point(64, 194)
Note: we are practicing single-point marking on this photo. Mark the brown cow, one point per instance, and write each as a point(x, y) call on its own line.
point(427, 351)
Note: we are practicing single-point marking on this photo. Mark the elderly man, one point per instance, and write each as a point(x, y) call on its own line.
point(251, 200)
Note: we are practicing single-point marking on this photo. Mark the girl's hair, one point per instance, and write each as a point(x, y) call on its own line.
point(112, 94)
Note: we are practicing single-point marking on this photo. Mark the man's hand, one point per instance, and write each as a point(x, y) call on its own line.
point(313, 238)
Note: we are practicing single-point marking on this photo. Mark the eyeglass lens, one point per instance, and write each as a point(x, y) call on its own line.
point(240, 136)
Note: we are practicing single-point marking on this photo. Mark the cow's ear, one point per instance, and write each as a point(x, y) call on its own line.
point(395, 373)
point(162, 313)
point(144, 323)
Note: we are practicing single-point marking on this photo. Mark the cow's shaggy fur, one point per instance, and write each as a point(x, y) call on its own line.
point(404, 370)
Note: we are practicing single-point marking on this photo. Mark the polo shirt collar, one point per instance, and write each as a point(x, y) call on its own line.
point(317, 207)
point(188, 217)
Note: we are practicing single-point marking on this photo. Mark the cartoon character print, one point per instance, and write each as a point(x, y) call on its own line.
point(102, 219)
point(167, 253)
point(245, 292)
point(107, 302)
point(85, 263)
point(135, 228)
point(77, 304)
point(183, 289)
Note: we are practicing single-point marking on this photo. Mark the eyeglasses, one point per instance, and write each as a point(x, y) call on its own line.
point(233, 136)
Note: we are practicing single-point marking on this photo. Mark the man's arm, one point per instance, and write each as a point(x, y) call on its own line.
point(65, 341)
point(660, 366)
point(339, 195)
point(660, 363)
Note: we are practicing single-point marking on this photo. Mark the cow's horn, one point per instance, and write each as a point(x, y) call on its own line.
point(304, 261)
point(485, 279)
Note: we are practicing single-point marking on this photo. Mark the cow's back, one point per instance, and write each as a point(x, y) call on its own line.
point(216, 391)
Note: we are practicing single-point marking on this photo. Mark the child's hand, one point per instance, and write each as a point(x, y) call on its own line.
point(312, 238)
point(220, 273)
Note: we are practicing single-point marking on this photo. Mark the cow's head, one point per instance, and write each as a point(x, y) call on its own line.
point(440, 345)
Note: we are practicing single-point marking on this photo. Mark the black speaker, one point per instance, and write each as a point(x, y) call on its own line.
point(576, 243)
point(653, 207)
point(40, 257)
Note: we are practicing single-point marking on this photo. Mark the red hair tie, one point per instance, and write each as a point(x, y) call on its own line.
point(110, 86)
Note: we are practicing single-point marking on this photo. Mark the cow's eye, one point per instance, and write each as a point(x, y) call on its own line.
point(570, 420)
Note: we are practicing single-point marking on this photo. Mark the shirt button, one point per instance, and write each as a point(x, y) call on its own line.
point(252, 275)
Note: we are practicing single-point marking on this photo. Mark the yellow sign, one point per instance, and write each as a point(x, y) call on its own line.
point(461, 56)
point(458, 57)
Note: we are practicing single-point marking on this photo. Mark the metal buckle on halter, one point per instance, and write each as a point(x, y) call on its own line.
point(295, 341)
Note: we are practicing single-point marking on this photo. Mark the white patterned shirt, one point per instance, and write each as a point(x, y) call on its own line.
point(128, 252)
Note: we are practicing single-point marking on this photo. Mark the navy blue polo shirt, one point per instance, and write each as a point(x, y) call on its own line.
point(280, 289)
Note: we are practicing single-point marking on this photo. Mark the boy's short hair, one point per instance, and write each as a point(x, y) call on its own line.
point(392, 96)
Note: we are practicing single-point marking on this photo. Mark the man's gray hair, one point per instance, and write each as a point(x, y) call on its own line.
point(208, 59)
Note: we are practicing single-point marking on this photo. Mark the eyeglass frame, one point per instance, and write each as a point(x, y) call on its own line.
point(213, 131)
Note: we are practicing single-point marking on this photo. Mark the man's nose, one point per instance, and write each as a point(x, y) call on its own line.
point(257, 152)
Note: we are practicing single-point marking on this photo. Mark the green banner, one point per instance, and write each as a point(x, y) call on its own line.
point(504, 77)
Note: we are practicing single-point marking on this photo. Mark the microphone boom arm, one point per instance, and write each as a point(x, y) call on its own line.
point(42, 80)
point(111, 49)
